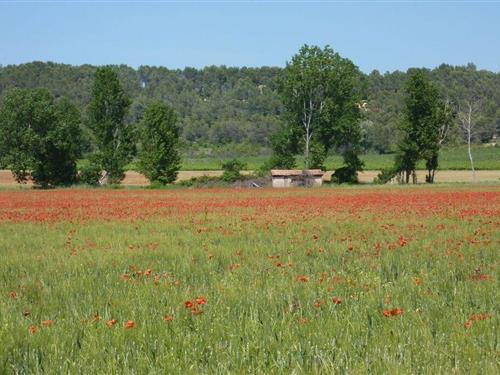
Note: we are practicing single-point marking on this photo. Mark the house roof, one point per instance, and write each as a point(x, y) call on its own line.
point(296, 172)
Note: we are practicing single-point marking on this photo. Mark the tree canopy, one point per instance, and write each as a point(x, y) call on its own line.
point(39, 137)
point(159, 158)
point(320, 91)
point(111, 135)
point(221, 105)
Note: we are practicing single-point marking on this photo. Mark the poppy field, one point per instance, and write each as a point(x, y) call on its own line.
point(328, 280)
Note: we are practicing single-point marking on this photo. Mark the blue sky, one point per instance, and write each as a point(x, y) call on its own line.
point(383, 35)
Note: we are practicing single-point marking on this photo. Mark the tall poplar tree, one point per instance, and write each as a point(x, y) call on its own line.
point(426, 119)
point(112, 136)
point(159, 158)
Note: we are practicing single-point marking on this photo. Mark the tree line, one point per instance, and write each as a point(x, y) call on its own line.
point(40, 136)
point(53, 114)
point(242, 106)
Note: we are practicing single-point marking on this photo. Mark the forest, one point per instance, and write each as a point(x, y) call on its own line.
point(228, 108)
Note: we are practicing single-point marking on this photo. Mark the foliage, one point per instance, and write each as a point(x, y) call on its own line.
point(348, 174)
point(217, 104)
point(319, 90)
point(385, 175)
point(39, 137)
point(90, 174)
point(425, 121)
point(231, 170)
point(203, 182)
point(159, 158)
point(112, 137)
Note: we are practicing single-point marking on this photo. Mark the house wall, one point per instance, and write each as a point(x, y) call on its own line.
point(284, 182)
point(281, 182)
point(318, 181)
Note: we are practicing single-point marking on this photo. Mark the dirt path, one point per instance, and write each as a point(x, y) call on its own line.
point(136, 179)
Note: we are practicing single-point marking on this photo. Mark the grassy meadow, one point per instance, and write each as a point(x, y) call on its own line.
point(348, 280)
point(453, 158)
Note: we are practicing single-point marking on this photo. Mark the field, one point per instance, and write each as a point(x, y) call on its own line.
point(456, 158)
point(328, 280)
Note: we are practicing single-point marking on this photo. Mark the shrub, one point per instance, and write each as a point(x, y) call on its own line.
point(90, 174)
point(232, 169)
point(385, 176)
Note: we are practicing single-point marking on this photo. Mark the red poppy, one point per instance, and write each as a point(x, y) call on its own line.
point(47, 323)
point(393, 312)
point(32, 329)
point(13, 294)
point(302, 278)
point(111, 323)
point(168, 318)
point(201, 300)
point(402, 241)
point(188, 304)
point(148, 272)
point(129, 324)
point(336, 300)
point(317, 304)
point(234, 266)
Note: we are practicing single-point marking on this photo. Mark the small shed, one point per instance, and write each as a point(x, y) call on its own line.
point(293, 177)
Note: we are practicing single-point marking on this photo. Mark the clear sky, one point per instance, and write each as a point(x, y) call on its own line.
point(383, 35)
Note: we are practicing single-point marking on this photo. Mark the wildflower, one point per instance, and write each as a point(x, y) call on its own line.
point(32, 329)
point(188, 304)
point(96, 318)
point(317, 304)
point(13, 294)
point(393, 312)
point(111, 323)
point(148, 272)
point(234, 266)
point(336, 300)
point(418, 281)
point(402, 240)
point(47, 323)
point(129, 324)
point(302, 278)
point(201, 300)
point(468, 323)
point(168, 318)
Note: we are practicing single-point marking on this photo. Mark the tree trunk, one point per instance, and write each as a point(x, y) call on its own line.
point(306, 151)
point(470, 156)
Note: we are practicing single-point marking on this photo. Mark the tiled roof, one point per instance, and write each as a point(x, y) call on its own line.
point(296, 172)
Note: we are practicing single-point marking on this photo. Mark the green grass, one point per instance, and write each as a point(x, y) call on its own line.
point(456, 158)
point(485, 158)
point(258, 318)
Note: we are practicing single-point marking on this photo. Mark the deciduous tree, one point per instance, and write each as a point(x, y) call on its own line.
point(112, 136)
point(320, 90)
point(159, 158)
point(39, 137)
point(425, 123)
